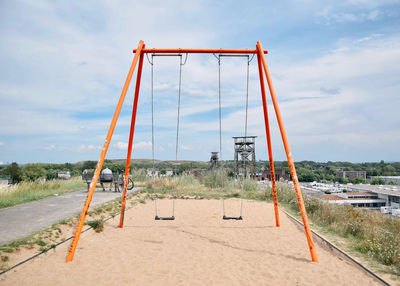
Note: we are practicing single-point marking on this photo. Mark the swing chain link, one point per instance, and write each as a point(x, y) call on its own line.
point(177, 127)
point(220, 128)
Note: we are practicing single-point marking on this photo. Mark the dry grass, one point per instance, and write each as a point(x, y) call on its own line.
point(369, 232)
point(30, 191)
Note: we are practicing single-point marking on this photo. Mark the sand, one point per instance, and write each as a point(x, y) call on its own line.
point(198, 248)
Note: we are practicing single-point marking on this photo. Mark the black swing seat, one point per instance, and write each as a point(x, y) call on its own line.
point(164, 218)
point(232, 217)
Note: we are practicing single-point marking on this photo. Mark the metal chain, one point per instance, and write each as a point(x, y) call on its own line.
point(152, 132)
point(220, 129)
point(220, 132)
point(245, 134)
point(177, 127)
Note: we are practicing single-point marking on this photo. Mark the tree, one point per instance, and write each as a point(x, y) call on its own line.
point(116, 168)
point(88, 165)
point(14, 171)
point(32, 172)
point(358, 180)
point(389, 170)
point(378, 181)
point(51, 174)
point(306, 176)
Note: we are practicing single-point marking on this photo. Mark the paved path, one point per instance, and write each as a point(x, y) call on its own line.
point(23, 220)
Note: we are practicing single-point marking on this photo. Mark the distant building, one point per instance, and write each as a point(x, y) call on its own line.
point(387, 179)
point(195, 172)
point(351, 174)
point(357, 199)
point(390, 194)
point(5, 181)
point(280, 174)
point(152, 172)
point(64, 175)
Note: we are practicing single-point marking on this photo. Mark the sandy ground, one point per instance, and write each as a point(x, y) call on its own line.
point(198, 248)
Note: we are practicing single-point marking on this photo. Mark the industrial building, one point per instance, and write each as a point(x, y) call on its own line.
point(351, 174)
point(391, 194)
point(357, 199)
point(386, 198)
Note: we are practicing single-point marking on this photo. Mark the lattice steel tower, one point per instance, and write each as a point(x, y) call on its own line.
point(213, 163)
point(245, 147)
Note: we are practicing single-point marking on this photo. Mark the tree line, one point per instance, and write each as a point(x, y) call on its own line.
point(307, 171)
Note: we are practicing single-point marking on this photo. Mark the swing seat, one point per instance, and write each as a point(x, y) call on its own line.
point(164, 218)
point(232, 217)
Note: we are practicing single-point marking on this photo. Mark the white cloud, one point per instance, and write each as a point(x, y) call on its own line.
point(142, 146)
point(186, 147)
point(358, 110)
point(82, 148)
point(1, 143)
point(355, 11)
point(76, 64)
point(121, 145)
point(136, 146)
point(50, 147)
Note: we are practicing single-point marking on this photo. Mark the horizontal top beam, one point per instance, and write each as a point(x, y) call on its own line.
point(200, 51)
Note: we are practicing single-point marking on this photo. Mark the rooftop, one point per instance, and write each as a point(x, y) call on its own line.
point(379, 189)
point(332, 198)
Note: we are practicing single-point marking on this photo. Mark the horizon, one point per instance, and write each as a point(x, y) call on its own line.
point(334, 67)
point(258, 160)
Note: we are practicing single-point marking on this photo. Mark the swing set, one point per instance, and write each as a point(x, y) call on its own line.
point(140, 53)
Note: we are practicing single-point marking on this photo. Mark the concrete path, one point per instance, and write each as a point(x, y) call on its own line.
point(23, 220)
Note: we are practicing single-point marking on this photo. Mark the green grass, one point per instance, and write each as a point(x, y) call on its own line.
point(30, 191)
point(97, 225)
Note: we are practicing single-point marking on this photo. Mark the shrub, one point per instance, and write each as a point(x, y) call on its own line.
point(97, 225)
point(378, 181)
point(32, 172)
point(214, 179)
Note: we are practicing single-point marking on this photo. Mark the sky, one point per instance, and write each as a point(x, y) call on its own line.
point(335, 66)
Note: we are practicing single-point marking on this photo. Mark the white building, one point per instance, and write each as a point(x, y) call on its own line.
point(64, 175)
point(391, 194)
point(357, 199)
point(4, 182)
point(152, 172)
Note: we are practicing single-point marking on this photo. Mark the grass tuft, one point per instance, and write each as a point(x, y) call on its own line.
point(97, 225)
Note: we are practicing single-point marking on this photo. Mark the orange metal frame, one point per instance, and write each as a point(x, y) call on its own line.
point(262, 68)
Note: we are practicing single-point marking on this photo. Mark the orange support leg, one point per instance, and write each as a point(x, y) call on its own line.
point(131, 134)
point(267, 131)
point(289, 157)
point(96, 175)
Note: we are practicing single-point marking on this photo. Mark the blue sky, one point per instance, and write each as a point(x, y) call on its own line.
point(335, 66)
